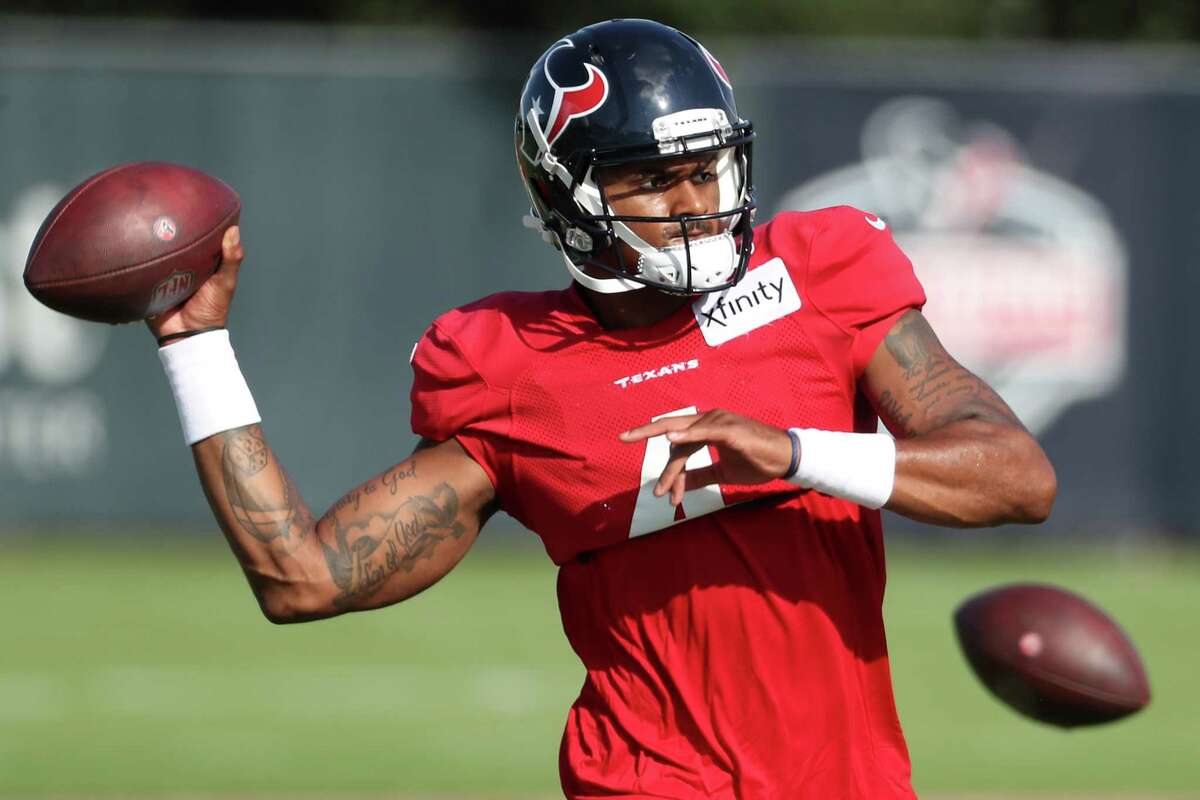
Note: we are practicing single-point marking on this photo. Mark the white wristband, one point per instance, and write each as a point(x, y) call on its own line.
point(860, 467)
point(210, 392)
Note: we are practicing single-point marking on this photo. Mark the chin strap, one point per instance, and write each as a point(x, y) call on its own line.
point(613, 285)
point(713, 262)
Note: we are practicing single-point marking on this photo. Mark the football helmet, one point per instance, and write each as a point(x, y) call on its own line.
point(625, 91)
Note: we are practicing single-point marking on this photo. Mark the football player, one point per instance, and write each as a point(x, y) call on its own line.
point(689, 426)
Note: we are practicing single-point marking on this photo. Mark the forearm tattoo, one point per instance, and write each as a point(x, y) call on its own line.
point(364, 549)
point(938, 389)
point(264, 500)
point(363, 543)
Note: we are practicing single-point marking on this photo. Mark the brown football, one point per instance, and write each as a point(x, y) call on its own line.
point(1052, 655)
point(131, 242)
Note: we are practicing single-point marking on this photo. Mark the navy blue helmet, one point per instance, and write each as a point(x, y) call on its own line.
point(625, 91)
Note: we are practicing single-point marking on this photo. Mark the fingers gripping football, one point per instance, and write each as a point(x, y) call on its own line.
point(748, 451)
point(209, 306)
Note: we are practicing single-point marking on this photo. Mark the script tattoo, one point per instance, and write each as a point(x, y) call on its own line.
point(392, 478)
point(939, 389)
point(895, 415)
point(252, 478)
point(366, 548)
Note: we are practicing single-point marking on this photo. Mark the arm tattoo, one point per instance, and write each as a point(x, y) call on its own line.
point(253, 482)
point(369, 547)
point(939, 389)
point(895, 414)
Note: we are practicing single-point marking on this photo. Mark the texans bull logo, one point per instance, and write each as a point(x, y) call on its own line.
point(716, 65)
point(570, 102)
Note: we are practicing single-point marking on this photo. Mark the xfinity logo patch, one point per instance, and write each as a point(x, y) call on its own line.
point(764, 295)
point(661, 372)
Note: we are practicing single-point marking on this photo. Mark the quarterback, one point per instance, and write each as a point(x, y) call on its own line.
point(689, 427)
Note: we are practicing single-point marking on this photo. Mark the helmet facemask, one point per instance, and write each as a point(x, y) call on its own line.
point(589, 233)
point(626, 92)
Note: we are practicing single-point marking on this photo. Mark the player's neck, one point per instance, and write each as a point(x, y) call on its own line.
point(637, 309)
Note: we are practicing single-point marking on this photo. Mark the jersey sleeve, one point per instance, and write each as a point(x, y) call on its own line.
point(451, 398)
point(860, 279)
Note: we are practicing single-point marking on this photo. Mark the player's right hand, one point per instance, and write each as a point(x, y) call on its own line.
point(209, 306)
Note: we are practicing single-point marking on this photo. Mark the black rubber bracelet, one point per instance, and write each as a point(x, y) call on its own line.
point(795, 464)
point(170, 337)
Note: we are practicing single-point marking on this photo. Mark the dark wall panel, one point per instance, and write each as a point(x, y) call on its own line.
point(377, 177)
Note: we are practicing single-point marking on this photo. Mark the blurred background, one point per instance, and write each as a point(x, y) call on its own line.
point(1036, 158)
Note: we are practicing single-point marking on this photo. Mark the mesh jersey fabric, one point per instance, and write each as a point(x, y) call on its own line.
point(734, 647)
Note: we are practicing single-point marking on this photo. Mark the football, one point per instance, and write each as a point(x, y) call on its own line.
point(1051, 655)
point(130, 242)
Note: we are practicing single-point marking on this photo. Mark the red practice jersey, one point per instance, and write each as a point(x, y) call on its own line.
point(734, 647)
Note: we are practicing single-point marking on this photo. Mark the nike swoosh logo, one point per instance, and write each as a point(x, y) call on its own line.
point(876, 223)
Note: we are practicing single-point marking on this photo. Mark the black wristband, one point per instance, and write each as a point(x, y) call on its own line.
point(170, 337)
point(795, 465)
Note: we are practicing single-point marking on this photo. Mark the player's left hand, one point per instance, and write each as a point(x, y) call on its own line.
point(748, 451)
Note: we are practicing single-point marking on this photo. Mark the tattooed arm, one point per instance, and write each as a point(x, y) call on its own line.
point(382, 542)
point(388, 539)
point(962, 456)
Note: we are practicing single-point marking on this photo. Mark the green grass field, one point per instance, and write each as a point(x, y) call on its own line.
point(142, 667)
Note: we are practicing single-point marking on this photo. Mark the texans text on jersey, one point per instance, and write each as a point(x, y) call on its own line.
point(661, 372)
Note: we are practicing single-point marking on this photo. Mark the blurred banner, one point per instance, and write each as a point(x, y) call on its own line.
point(1045, 196)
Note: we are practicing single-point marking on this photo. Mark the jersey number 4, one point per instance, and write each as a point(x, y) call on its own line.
point(655, 513)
